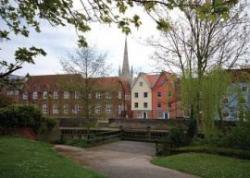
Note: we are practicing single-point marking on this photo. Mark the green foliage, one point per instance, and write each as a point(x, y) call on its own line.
point(203, 96)
point(76, 142)
point(16, 116)
point(29, 159)
point(177, 137)
point(5, 101)
point(232, 152)
point(206, 165)
point(239, 137)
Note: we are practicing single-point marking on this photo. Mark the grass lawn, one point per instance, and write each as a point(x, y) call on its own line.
point(21, 158)
point(206, 165)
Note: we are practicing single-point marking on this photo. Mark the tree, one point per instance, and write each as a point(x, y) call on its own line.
point(197, 43)
point(87, 63)
point(19, 17)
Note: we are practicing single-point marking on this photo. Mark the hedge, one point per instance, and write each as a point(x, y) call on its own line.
point(19, 116)
point(238, 153)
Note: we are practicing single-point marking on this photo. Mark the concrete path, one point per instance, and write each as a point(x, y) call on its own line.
point(123, 159)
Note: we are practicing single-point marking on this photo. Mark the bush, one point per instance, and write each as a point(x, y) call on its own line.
point(239, 137)
point(19, 116)
point(243, 154)
point(175, 138)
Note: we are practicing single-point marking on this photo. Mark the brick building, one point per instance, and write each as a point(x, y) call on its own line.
point(52, 95)
point(155, 96)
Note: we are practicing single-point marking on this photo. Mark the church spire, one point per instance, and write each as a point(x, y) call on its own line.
point(125, 72)
point(125, 65)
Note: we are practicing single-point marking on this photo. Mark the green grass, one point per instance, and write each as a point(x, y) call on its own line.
point(21, 158)
point(206, 165)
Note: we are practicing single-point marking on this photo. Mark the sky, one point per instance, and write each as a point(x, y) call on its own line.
point(58, 42)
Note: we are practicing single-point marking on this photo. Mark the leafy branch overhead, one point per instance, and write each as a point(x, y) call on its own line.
point(19, 17)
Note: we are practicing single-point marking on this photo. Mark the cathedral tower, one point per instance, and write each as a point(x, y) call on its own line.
point(125, 73)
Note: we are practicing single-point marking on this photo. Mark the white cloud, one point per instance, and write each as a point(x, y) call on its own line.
point(58, 41)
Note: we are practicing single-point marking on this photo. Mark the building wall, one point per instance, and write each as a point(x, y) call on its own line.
point(163, 95)
point(231, 101)
point(141, 87)
point(53, 100)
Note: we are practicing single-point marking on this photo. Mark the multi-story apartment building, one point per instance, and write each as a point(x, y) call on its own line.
point(154, 96)
point(238, 94)
point(110, 96)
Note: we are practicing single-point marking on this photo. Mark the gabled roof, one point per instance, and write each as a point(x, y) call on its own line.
point(167, 75)
point(151, 79)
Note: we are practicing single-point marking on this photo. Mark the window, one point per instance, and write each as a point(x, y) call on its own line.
point(25, 96)
point(136, 94)
point(34, 95)
point(159, 105)
point(119, 109)
point(248, 99)
point(90, 96)
point(109, 108)
point(170, 94)
point(145, 94)
point(98, 109)
point(77, 95)
point(108, 95)
point(16, 92)
point(136, 105)
point(66, 95)
point(44, 109)
point(45, 95)
point(76, 109)
point(159, 115)
point(169, 105)
point(98, 95)
point(159, 94)
point(65, 108)
point(55, 95)
point(127, 97)
point(119, 95)
point(225, 100)
point(10, 92)
point(145, 105)
point(244, 88)
point(141, 83)
point(55, 109)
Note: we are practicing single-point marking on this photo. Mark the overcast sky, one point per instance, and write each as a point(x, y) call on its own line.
point(59, 41)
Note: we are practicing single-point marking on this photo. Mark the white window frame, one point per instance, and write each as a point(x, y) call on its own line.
point(55, 95)
point(98, 95)
point(35, 95)
point(25, 96)
point(109, 108)
point(65, 109)
point(55, 109)
point(45, 94)
point(45, 108)
point(66, 95)
point(119, 94)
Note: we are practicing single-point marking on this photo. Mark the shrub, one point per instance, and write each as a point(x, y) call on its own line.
point(5, 101)
point(243, 154)
point(175, 138)
point(17, 116)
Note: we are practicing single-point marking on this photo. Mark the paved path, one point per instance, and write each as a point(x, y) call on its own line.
point(123, 159)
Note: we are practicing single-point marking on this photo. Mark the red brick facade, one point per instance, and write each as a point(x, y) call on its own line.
point(53, 96)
